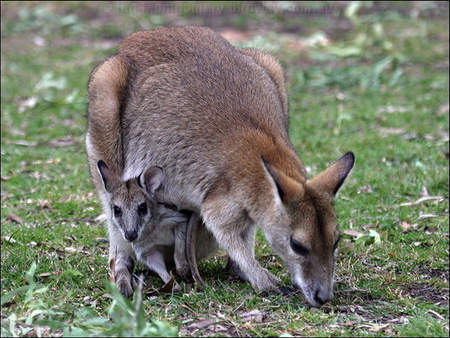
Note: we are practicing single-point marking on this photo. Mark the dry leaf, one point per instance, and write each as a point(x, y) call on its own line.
point(75, 250)
point(353, 233)
point(25, 143)
point(8, 239)
point(367, 189)
point(406, 226)
point(421, 217)
point(15, 218)
point(375, 327)
point(168, 287)
point(62, 142)
point(423, 199)
point(112, 269)
point(202, 323)
point(254, 316)
point(394, 131)
point(47, 274)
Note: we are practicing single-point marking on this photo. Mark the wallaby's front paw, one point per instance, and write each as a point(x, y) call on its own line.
point(265, 281)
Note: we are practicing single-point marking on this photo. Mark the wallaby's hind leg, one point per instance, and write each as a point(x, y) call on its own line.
point(191, 244)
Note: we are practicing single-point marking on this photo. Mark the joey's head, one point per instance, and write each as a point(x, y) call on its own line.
point(307, 236)
point(132, 202)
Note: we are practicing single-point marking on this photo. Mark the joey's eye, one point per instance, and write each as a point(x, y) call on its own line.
point(142, 209)
point(117, 211)
point(298, 248)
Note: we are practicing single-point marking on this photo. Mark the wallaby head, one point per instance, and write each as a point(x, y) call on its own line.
point(132, 204)
point(308, 241)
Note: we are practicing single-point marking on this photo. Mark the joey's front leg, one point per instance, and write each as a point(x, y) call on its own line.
point(122, 266)
point(121, 263)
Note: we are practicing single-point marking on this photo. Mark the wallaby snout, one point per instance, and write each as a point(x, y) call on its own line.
point(131, 235)
point(323, 295)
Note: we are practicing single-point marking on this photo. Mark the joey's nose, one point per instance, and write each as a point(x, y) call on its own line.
point(130, 235)
point(323, 296)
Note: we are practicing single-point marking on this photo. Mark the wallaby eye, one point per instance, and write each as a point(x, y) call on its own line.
point(298, 248)
point(142, 209)
point(117, 211)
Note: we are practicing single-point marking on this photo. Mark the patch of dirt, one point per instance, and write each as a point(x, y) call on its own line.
point(425, 292)
point(434, 273)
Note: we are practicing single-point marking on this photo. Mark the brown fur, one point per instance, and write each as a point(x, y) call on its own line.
point(215, 118)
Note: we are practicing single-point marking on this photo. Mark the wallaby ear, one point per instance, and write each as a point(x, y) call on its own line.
point(287, 188)
point(334, 176)
point(151, 179)
point(109, 178)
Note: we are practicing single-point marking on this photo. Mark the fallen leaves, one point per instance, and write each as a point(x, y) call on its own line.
point(425, 197)
point(254, 316)
point(360, 238)
point(15, 218)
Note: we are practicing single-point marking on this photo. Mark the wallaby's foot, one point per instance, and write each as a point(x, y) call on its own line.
point(264, 281)
point(233, 269)
point(261, 280)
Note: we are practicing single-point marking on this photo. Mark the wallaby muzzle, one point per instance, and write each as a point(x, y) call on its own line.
point(130, 235)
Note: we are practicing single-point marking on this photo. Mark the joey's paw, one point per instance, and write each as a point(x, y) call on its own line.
point(125, 287)
point(125, 283)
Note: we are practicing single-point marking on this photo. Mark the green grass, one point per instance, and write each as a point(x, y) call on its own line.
point(377, 85)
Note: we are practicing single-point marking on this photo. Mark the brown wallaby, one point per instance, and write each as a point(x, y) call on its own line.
point(215, 118)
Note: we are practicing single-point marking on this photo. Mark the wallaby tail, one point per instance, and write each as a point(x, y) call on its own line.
point(191, 245)
point(107, 91)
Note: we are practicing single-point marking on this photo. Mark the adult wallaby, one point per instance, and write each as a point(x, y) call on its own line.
point(216, 119)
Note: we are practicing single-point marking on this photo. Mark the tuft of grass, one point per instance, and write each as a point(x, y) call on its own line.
point(125, 318)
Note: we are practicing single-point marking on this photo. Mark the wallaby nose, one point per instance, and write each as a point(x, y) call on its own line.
point(130, 235)
point(323, 296)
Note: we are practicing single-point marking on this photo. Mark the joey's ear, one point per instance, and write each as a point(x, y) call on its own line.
point(287, 188)
point(151, 179)
point(334, 176)
point(109, 178)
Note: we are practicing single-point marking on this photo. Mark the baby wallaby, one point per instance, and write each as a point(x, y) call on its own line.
point(216, 118)
point(145, 231)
